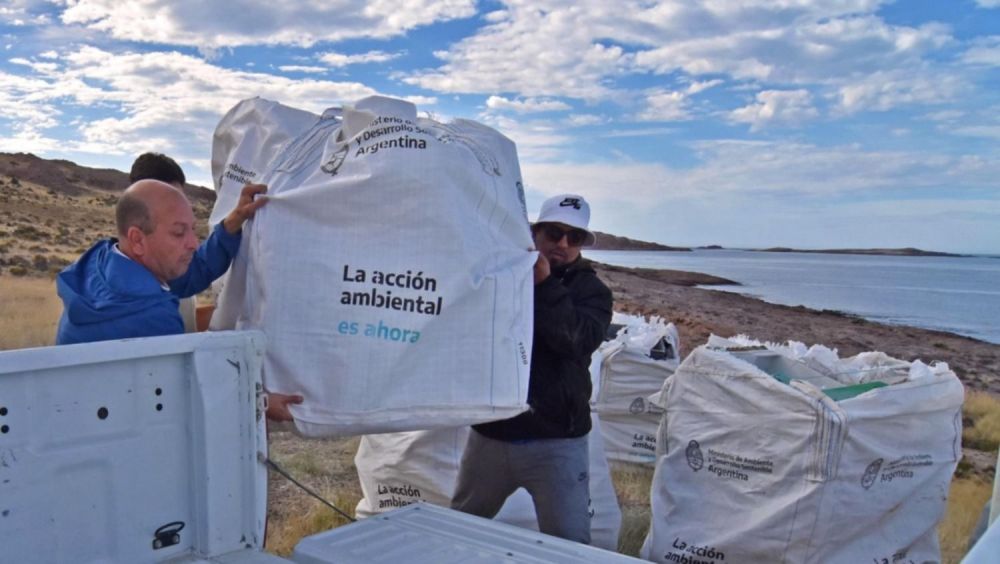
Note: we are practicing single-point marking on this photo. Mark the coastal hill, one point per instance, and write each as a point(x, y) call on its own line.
point(70, 179)
point(54, 209)
point(608, 242)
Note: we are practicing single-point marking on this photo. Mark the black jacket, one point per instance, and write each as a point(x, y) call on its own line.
point(572, 314)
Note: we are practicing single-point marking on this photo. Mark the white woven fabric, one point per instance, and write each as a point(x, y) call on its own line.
point(390, 269)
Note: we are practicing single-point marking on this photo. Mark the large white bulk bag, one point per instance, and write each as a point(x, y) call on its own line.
point(626, 371)
point(752, 469)
point(247, 139)
point(397, 469)
point(389, 269)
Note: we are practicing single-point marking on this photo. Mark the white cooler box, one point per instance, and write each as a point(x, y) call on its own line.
point(425, 533)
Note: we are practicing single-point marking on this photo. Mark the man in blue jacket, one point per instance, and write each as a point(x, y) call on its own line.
point(130, 286)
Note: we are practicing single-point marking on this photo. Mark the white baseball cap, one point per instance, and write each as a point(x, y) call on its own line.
point(569, 209)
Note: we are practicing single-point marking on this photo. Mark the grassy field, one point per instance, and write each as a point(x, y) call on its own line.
point(29, 311)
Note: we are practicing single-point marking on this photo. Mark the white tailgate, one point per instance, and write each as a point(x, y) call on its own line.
point(104, 443)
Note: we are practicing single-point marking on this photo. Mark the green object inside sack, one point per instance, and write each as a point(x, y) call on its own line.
point(848, 392)
point(783, 378)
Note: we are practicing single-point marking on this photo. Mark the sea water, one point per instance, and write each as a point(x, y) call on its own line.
point(955, 294)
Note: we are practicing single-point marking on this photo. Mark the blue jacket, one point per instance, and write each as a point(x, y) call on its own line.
point(109, 296)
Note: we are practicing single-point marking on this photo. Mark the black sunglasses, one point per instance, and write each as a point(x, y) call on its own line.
point(554, 233)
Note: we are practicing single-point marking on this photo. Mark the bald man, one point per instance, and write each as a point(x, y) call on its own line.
point(130, 286)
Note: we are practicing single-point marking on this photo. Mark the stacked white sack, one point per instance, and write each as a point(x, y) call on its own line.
point(397, 469)
point(750, 469)
point(390, 268)
point(625, 374)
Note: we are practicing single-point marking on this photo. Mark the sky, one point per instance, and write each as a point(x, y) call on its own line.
point(742, 123)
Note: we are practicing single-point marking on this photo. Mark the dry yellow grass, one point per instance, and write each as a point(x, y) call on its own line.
point(29, 312)
point(984, 411)
point(632, 483)
point(284, 534)
point(965, 504)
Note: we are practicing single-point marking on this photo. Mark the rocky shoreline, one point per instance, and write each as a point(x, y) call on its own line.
point(699, 312)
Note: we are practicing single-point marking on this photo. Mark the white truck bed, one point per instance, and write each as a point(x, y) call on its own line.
point(101, 444)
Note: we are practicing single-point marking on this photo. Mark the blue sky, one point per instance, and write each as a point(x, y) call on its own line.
point(750, 123)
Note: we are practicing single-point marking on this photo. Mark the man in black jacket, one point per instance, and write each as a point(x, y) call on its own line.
point(544, 449)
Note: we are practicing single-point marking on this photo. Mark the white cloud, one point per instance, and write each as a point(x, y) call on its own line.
point(421, 101)
point(988, 3)
point(341, 60)
point(787, 107)
point(756, 169)
point(526, 105)
point(945, 115)
point(582, 120)
point(985, 131)
point(985, 51)
point(160, 100)
point(213, 24)
point(536, 140)
point(696, 87)
point(983, 122)
point(547, 48)
point(20, 13)
point(663, 105)
point(885, 90)
point(302, 68)
point(646, 132)
point(793, 48)
point(580, 49)
point(28, 142)
point(24, 105)
point(39, 67)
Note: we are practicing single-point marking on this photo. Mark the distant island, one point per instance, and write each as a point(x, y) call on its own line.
point(903, 252)
point(607, 242)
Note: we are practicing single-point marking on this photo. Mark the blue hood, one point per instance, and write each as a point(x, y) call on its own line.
point(106, 295)
point(104, 285)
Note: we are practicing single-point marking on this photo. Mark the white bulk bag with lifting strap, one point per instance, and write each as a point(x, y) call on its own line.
point(389, 269)
point(397, 469)
point(778, 454)
point(632, 367)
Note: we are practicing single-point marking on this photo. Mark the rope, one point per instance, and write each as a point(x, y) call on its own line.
point(272, 464)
